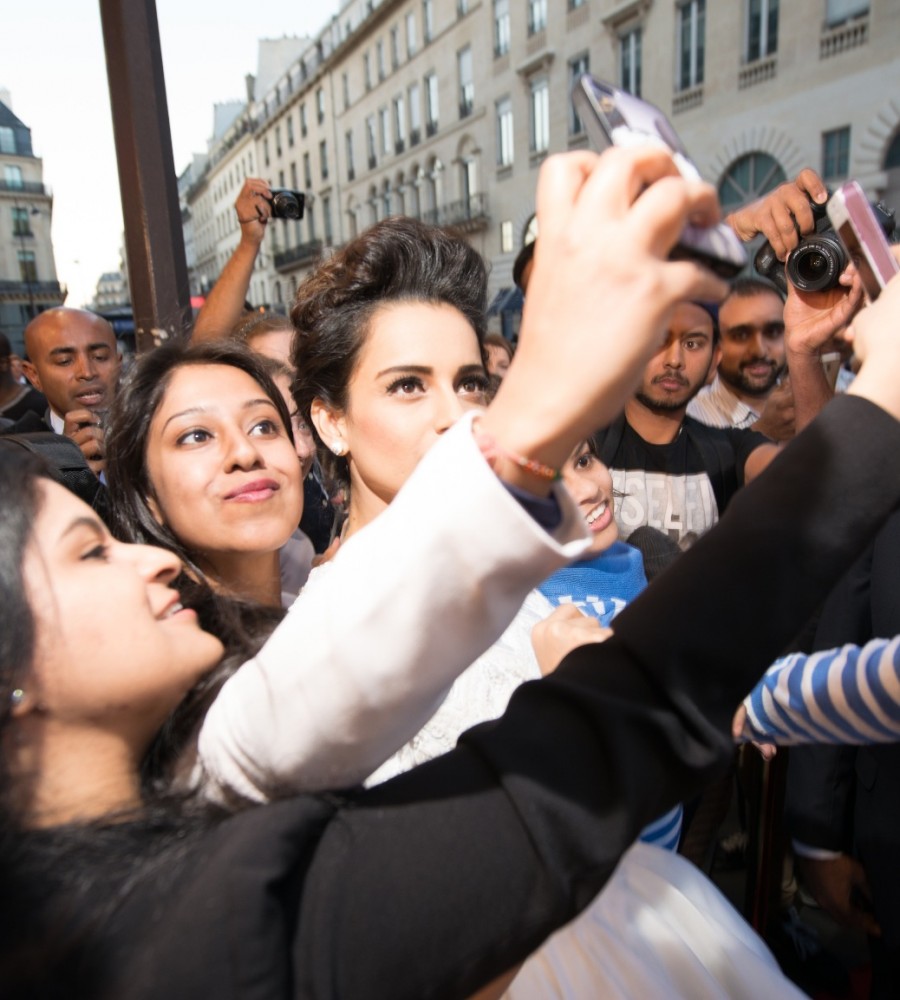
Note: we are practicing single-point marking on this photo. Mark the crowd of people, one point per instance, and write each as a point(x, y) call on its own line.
point(356, 653)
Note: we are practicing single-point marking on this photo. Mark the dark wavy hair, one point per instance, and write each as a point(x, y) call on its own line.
point(397, 260)
point(130, 417)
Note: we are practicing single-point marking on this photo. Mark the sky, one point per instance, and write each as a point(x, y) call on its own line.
point(53, 65)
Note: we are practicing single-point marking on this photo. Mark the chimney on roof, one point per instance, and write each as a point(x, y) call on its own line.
point(250, 81)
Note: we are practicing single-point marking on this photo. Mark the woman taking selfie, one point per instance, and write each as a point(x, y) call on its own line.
point(532, 813)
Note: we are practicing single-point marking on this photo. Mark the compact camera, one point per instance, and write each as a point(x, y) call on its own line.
point(287, 204)
point(816, 263)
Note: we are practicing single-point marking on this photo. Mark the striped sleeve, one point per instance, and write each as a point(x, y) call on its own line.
point(846, 695)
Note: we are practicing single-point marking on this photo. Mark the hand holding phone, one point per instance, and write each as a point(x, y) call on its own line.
point(863, 238)
point(615, 117)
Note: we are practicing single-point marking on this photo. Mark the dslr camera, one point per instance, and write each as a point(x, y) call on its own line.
point(816, 263)
point(287, 204)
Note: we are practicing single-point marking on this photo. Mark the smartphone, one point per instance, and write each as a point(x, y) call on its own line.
point(863, 238)
point(613, 117)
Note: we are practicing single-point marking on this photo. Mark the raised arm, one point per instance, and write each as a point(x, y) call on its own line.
point(846, 695)
point(225, 302)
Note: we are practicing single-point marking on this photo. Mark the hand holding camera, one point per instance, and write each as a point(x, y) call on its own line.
point(819, 259)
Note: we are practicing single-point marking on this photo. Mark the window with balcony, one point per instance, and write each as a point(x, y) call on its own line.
point(506, 237)
point(838, 11)
point(431, 103)
point(577, 68)
point(836, 154)
point(21, 222)
point(399, 124)
point(415, 115)
point(540, 116)
point(691, 43)
point(466, 82)
point(630, 59)
point(505, 134)
point(762, 29)
point(27, 266)
point(370, 142)
point(384, 125)
point(537, 16)
point(12, 176)
point(351, 170)
point(501, 27)
point(395, 47)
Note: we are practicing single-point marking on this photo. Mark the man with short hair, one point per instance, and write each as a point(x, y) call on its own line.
point(746, 390)
point(74, 360)
point(670, 471)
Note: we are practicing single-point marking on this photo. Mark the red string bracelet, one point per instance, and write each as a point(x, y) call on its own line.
point(492, 450)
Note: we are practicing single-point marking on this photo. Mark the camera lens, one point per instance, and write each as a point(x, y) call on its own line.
point(285, 205)
point(813, 266)
point(817, 263)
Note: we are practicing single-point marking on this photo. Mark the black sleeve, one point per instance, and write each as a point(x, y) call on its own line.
point(436, 882)
point(482, 853)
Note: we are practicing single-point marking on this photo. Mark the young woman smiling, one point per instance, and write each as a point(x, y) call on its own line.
point(202, 460)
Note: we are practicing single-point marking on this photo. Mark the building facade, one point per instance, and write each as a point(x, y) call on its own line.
point(28, 282)
point(445, 109)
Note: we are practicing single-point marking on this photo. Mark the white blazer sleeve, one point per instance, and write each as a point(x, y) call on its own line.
point(367, 652)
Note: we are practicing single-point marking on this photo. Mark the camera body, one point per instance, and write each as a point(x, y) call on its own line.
point(816, 263)
point(287, 204)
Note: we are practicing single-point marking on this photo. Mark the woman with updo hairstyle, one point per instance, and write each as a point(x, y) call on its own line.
point(389, 330)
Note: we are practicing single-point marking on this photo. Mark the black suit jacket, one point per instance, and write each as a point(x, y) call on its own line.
point(848, 798)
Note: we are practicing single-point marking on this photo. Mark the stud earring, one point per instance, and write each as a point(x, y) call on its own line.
point(17, 697)
point(339, 448)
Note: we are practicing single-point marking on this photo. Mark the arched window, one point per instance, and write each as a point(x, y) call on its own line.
point(891, 194)
point(749, 177)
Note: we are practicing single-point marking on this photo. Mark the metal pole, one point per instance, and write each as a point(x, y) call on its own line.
point(154, 242)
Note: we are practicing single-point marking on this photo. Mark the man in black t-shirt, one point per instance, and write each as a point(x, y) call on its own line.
point(670, 471)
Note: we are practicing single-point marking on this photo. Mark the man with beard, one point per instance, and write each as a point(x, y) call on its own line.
point(746, 390)
point(670, 471)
